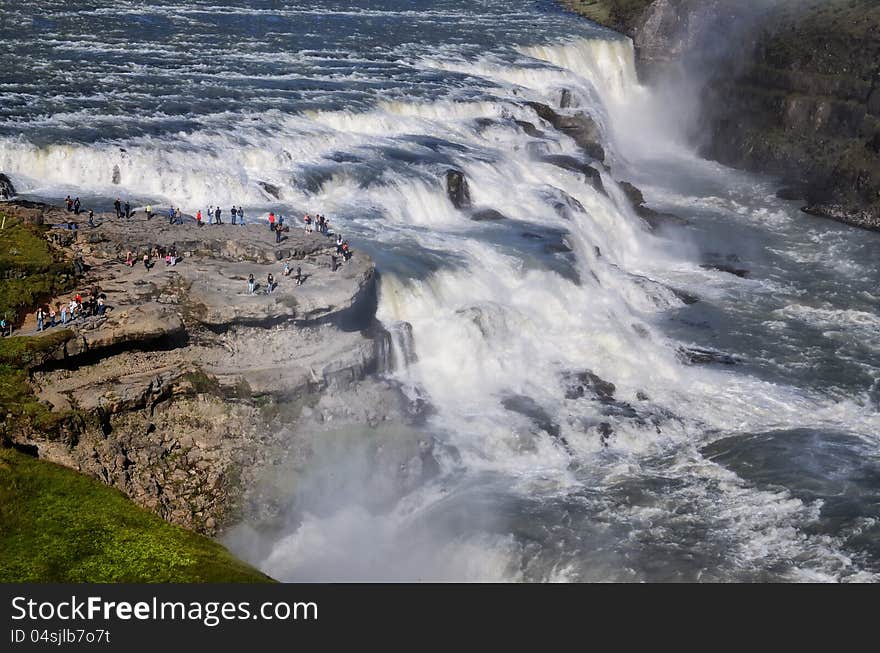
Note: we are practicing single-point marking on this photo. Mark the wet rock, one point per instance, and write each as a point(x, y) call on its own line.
point(529, 129)
point(271, 190)
point(457, 189)
point(487, 215)
point(530, 408)
point(700, 356)
point(116, 177)
point(583, 383)
point(580, 127)
point(7, 190)
point(633, 194)
point(655, 219)
point(593, 176)
point(685, 297)
point(566, 99)
point(863, 217)
point(742, 273)
point(605, 432)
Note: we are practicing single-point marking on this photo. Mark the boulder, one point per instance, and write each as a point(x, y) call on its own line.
point(487, 215)
point(592, 176)
point(580, 127)
point(457, 189)
point(7, 190)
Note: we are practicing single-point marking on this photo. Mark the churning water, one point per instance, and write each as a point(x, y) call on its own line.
point(764, 470)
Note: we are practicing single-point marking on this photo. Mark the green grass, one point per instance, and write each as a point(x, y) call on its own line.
point(19, 407)
point(59, 526)
point(30, 272)
point(617, 14)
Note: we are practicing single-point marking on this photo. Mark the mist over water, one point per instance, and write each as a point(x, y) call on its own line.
point(765, 470)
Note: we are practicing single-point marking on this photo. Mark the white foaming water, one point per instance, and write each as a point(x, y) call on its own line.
point(500, 328)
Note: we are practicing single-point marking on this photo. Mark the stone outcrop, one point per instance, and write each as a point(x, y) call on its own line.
point(7, 190)
point(457, 189)
point(580, 127)
point(185, 390)
point(790, 88)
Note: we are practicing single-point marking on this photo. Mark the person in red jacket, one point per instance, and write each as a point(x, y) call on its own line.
point(272, 221)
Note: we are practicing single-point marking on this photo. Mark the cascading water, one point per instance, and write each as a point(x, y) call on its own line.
point(574, 442)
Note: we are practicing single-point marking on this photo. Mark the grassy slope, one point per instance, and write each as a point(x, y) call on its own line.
point(59, 526)
point(25, 253)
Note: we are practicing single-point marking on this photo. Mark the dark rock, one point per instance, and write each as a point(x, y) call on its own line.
point(699, 356)
point(873, 104)
point(580, 127)
point(655, 219)
point(457, 189)
point(7, 190)
point(116, 178)
point(593, 176)
point(529, 408)
point(271, 189)
point(487, 215)
point(633, 194)
point(729, 269)
point(529, 129)
point(581, 383)
point(864, 218)
point(605, 432)
point(685, 297)
point(566, 99)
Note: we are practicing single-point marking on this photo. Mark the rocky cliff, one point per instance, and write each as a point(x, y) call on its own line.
point(190, 391)
point(791, 88)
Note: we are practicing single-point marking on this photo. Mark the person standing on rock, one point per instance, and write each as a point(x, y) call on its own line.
point(118, 206)
point(233, 211)
point(271, 221)
point(127, 211)
point(217, 216)
point(241, 216)
point(77, 206)
point(101, 305)
point(92, 218)
point(64, 315)
point(171, 215)
point(199, 217)
point(149, 211)
point(299, 276)
point(278, 230)
point(286, 269)
point(308, 221)
point(251, 283)
point(40, 319)
point(270, 283)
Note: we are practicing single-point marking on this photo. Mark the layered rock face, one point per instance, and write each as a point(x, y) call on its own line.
point(806, 106)
point(190, 390)
point(791, 88)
